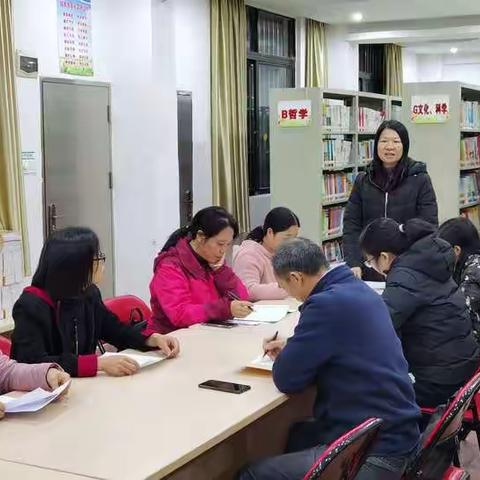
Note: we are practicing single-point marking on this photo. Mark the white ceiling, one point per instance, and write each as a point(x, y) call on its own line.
point(339, 11)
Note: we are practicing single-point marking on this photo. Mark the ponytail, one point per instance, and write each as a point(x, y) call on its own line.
point(210, 221)
point(175, 237)
point(278, 219)
point(256, 234)
point(386, 235)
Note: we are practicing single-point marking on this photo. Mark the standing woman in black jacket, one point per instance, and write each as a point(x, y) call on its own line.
point(427, 309)
point(61, 317)
point(393, 186)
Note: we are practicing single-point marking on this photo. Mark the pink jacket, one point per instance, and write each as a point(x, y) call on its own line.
point(252, 262)
point(185, 292)
point(21, 376)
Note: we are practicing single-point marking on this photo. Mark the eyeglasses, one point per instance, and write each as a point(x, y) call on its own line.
point(368, 262)
point(101, 257)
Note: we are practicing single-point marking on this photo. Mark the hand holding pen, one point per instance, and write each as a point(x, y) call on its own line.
point(239, 308)
point(273, 346)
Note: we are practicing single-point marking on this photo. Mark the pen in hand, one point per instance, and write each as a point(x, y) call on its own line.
point(265, 352)
point(234, 296)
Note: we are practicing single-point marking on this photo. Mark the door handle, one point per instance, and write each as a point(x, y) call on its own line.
point(52, 218)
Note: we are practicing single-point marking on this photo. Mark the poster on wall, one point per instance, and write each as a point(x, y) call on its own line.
point(430, 108)
point(75, 37)
point(294, 113)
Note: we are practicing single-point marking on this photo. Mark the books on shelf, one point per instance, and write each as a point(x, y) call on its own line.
point(396, 112)
point(333, 251)
point(470, 152)
point(469, 188)
point(365, 151)
point(332, 221)
point(369, 120)
point(471, 115)
point(337, 186)
point(337, 152)
point(335, 115)
point(473, 214)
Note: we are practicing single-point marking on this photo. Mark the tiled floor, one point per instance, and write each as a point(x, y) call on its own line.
point(470, 456)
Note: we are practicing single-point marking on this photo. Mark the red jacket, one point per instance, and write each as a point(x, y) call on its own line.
point(185, 292)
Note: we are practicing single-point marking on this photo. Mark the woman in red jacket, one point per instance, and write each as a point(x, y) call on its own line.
point(191, 283)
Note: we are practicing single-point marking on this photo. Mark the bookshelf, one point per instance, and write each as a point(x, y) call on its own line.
point(451, 150)
point(313, 168)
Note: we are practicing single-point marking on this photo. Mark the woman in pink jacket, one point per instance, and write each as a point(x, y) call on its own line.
point(23, 377)
point(252, 261)
point(191, 283)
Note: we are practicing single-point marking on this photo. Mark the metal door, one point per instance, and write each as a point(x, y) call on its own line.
point(77, 161)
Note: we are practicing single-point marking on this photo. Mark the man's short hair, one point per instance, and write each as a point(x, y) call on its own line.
point(299, 255)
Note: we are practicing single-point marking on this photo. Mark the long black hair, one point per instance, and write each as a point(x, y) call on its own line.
point(210, 221)
point(381, 176)
point(462, 232)
point(65, 268)
point(278, 219)
point(386, 235)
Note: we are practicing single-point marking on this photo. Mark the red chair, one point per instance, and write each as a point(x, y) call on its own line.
point(344, 457)
point(129, 309)
point(430, 463)
point(5, 345)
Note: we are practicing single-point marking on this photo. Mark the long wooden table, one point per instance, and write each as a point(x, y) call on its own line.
point(19, 471)
point(158, 423)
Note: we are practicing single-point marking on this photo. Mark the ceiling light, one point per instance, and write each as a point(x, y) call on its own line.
point(357, 16)
point(454, 50)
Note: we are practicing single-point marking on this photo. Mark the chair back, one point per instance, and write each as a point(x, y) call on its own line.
point(5, 345)
point(129, 309)
point(343, 459)
point(440, 443)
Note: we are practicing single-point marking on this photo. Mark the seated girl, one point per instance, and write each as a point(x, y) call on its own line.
point(463, 236)
point(61, 317)
point(191, 283)
point(252, 261)
point(427, 309)
point(22, 377)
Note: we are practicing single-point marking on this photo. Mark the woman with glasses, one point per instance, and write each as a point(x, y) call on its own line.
point(392, 186)
point(427, 309)
point(61, 317)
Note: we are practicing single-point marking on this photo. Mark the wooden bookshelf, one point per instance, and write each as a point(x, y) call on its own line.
point(297, 155)
point(440, 146)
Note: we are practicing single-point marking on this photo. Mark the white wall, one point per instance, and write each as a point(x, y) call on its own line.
point(134, 47)
point(192, 44)
point(462, 68)
point(342, 59)
point(35, 33)
point(410, 67)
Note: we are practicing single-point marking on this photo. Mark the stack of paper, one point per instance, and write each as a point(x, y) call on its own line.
point(267, 313)
point(143, 360)
point(263, 362)
point(32, 401)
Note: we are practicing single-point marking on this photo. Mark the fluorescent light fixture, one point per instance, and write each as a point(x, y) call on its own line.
point(454, 50)
point(357, 16)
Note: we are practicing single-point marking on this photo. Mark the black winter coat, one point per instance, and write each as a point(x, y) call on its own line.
point(67, 333)
point(414, 197)
point(429, 314)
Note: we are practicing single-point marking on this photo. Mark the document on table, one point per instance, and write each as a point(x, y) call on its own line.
point(32, 401)
point(267, 313)
point(142, 360)
point(379, 287)
point(263, 362)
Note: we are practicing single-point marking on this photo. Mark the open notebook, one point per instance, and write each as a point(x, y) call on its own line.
point(267, 313)
point(143, 360)
point(263, 362)
point(31, 401)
